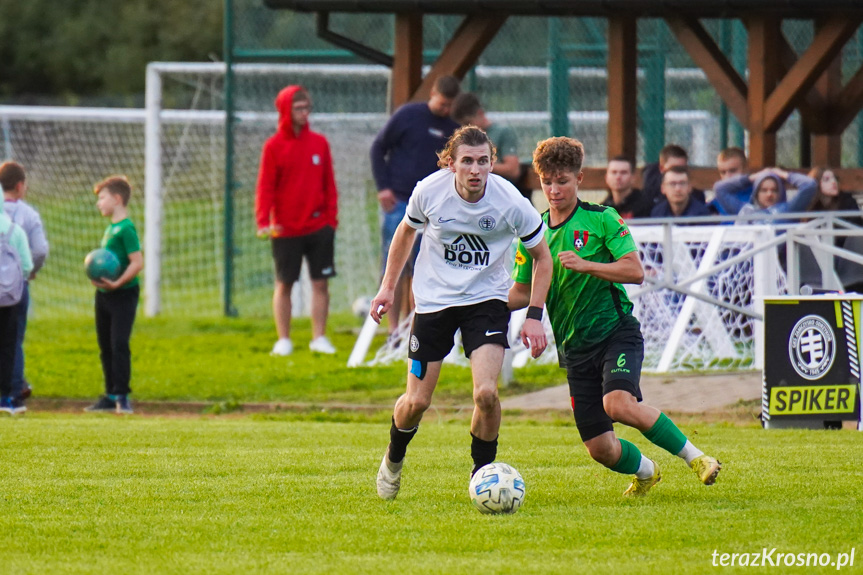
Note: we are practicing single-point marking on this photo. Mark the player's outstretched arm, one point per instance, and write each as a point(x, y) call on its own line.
point(626, 270)
point(400, 249)
point(532, 332)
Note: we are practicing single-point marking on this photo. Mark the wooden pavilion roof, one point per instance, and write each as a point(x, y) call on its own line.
point(778, 80)
point(805, 9)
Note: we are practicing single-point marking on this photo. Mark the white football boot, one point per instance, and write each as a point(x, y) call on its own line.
point(389, 478)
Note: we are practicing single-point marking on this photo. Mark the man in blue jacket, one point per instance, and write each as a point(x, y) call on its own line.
point(403, 153)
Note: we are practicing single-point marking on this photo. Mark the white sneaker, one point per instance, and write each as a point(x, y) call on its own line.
point(283, 347)
point(389, 481)
point(322, 345)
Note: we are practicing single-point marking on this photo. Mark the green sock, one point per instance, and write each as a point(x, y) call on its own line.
point(666, 435)
point(630, 458)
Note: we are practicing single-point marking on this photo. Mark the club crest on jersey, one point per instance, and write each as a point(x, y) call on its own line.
point(486, 223)
point(579, 239)
point(316, 159)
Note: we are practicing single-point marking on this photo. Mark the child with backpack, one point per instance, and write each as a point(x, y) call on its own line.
point(16, 263)
point(13, 180)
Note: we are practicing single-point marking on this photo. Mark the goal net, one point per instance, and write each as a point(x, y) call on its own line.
point(174, 153)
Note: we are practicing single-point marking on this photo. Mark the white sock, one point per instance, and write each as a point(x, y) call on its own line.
point(645, 468)
point(689, 452)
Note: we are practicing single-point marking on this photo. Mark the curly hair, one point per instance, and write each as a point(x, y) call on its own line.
point(468, 135)
point(556, 155)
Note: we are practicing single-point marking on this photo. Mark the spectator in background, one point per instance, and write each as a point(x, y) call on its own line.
point(296, 205)
point(466, 109)
point(651, 176)
point(116, 302)
point(731, 163)
point(403, 153)
point(829, 198)
point(13, 179)
point(628, 200)
point(678, 201)
point(17, 240)
point(768, 195)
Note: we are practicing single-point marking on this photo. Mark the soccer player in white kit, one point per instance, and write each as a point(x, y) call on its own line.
point(461, 281)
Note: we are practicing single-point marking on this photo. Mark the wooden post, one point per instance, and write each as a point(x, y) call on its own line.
point(728, 83)
point(407, 59)
point(827, 148)
point(462, 51)
point(622, 86)
point(764, 42)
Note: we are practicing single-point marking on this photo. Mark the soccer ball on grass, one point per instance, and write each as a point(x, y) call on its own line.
point(497, 488)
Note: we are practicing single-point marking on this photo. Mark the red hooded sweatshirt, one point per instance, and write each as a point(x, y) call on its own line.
point(296, 192)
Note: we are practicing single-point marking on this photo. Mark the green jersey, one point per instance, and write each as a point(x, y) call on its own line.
point(122, 239)
point(583, 309)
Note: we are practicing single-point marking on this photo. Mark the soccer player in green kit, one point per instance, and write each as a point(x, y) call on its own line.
point(599, 341)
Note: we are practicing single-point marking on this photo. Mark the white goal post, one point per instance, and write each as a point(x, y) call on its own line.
point(350, 134)
point(174, 150)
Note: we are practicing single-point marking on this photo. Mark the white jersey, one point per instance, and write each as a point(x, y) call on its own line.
point(466, 246)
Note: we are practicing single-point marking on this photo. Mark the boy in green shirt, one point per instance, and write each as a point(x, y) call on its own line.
point(117, 300)
point(598, 339)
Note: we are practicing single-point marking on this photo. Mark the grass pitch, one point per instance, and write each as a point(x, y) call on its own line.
point(227, 360)
point(100, 494)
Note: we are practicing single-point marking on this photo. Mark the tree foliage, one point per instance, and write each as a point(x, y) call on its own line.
point(95, 48)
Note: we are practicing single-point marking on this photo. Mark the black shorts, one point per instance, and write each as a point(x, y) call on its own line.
point(481, 323)
point(615, 364)
point(318, 249)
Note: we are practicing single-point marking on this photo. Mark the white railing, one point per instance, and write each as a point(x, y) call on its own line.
point(701, 305)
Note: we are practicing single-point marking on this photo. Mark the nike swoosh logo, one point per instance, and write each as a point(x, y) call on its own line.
point(491, 333)
point(443, 221)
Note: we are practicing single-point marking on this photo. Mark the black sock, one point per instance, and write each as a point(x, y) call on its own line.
point(399, 439)
point(482, 452)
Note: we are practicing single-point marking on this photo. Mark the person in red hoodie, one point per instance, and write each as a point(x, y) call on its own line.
point(296, 204)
